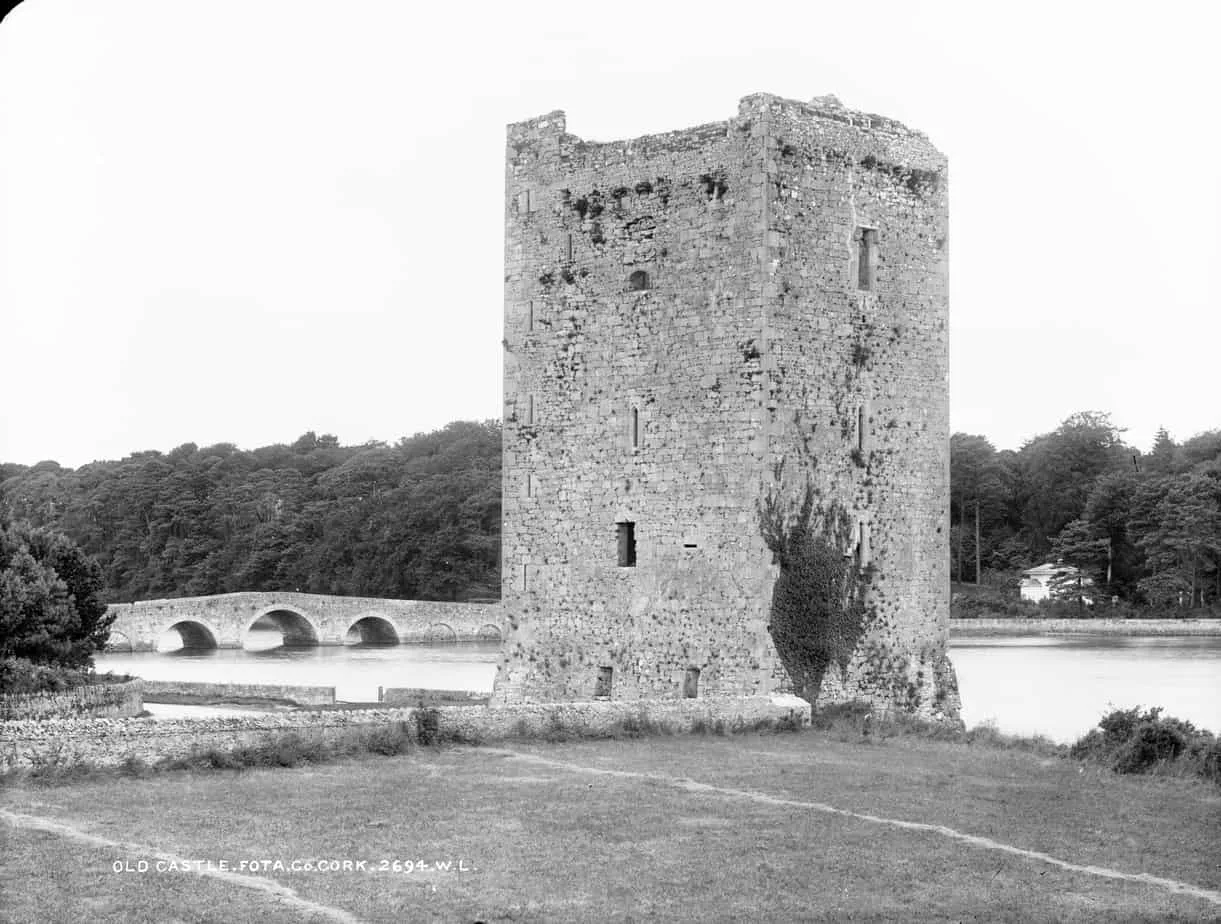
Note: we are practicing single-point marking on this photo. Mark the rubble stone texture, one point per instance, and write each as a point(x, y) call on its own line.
point(693, 320)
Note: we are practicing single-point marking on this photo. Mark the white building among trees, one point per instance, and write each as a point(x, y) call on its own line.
point(1052, 580)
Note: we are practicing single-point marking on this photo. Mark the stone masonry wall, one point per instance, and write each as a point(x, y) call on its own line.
point(858, 371)
point(110, 742)
point(668, 400)
point(293, 693)
point(102, 700)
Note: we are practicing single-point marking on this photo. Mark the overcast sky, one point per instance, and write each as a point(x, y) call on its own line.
point(239, 221)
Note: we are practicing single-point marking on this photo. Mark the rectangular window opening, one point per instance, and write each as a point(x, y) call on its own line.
point(691, 683)
point(635, 428)
point(529, 484)
point(627, 544)
point(602, 688)
point(568, 247)
point(861, 423)
point(530, 315)
point(530, 409)
point(866, 258)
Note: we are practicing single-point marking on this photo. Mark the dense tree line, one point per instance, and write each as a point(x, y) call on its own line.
point(421, 519)
point(416, 520)
point(1144, 527)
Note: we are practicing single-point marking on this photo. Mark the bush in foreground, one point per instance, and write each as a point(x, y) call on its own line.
point(1132, 741)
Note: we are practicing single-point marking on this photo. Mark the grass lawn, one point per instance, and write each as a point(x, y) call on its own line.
point(541, 838)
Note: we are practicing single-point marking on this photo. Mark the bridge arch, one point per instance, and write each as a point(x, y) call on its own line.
point(371, 629)
point(193, 635)
point(489, 633)
point(119, 641)
point(440, 633)
point(295, 628)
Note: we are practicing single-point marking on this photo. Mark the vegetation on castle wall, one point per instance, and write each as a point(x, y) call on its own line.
point(819, 611)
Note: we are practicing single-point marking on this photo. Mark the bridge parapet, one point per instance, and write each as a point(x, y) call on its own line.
point(222, 620)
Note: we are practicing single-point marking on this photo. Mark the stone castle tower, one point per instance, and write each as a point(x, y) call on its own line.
point(699, 323)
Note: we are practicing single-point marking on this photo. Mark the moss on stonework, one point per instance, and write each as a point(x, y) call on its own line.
point(945, 685)
point(819, 610)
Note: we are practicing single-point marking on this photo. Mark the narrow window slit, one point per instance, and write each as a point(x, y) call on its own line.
point(866, 259)
point(627, 544)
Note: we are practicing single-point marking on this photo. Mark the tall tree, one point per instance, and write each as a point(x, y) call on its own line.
point(50, 606)
point(1177, 523)
point(978, 483)
point(1059, 470)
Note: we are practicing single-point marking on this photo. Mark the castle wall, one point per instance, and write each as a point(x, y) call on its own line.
point(669, 406)
point(860, 368)
point(672, 352)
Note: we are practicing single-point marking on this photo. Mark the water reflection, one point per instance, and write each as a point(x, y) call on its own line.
point(356, 671)
point(1060, 685)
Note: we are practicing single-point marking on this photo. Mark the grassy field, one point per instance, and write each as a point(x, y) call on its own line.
point(740, 828)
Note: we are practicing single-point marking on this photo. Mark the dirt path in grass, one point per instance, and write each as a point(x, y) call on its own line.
point(984, 843)
point(267, 886)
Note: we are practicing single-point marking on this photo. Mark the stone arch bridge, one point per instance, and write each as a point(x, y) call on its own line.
point(222, 620)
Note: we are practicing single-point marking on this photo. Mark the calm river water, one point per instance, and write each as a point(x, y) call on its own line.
point(1058, 686)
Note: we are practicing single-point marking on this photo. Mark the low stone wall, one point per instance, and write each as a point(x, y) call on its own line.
point(415, 696)
point(1085, 626)
point(301, 695)
point(113, 700)
point(109, 742)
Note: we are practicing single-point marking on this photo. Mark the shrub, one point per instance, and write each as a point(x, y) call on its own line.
point(23, 676)
point(555, 732)
point(640, 725)
point(703, 727)
point(1205, 757)
point(1132, 741)
point(1151, 743)
point(389, 741)
point(51, 610)
point(428, 726)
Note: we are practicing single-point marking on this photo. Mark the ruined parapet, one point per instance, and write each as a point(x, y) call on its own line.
point(698, 325)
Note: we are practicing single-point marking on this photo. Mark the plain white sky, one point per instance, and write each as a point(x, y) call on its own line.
point(243, 219)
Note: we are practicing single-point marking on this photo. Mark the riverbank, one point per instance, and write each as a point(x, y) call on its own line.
point(1135, 627)
point(780, 826)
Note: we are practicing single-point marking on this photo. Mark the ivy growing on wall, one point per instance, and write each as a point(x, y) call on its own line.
point(819, 608)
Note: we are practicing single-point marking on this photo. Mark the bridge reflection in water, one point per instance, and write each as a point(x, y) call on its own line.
point(354, 644)
point(356, 671)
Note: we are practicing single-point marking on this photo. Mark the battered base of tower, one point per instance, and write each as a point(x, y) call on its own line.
point(927, 689)
point(931, 696)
